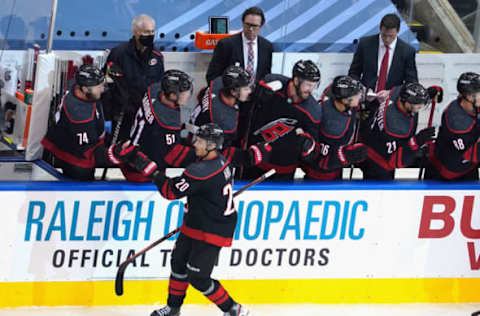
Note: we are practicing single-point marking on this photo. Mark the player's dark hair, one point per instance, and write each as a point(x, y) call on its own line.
point(390, 21)
point(254, 11)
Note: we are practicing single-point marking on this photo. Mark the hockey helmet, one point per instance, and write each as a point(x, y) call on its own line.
point(212, 133)
point(235, 77)
point(345, 87)
point(89, 75)
point(468, 83)
point(176, 81)
point(414, 93)
point(306, 70)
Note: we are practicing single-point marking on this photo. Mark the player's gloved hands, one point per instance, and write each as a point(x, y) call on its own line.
point(435, 93)
point(142, 163)
point(349, 154)
point(308, 146)
point(120, 153)
point(422, 137)
point(260, 152)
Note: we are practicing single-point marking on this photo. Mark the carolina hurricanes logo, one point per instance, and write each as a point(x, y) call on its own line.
point(153, 62)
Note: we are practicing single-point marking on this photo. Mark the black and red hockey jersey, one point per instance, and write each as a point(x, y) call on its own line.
point(213, 109)
point(208, 185)
point(335, 129)
point(275, 117)
point(455, 151)
point(388, 139)
point(78, 131)
point(156, 130)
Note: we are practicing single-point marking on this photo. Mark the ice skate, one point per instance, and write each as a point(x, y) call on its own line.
point(167, 311)
point(237, 310)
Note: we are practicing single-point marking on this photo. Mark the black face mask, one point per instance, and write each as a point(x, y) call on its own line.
point(146, 40)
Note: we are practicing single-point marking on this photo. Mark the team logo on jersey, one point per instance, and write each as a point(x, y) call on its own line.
point(275, 129)
point(153, 62)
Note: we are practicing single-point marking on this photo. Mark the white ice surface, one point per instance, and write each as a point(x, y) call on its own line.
point(261, 310)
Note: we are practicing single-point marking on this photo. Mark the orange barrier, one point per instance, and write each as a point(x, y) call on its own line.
point(27, 98)
point(19, 95)
point(209, 41)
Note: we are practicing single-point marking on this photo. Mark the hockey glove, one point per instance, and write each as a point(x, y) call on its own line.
point(422, 137)
point(120, 153)
point(143, 164)
point(259, 152)
point(308, 146)
point(349, 154)
point(435, 93)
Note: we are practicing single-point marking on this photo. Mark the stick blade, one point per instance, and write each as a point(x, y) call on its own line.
point(270, 173)
point(119, 278)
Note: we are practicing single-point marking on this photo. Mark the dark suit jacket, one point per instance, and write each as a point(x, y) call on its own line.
point(230, 50)
point(365, 63)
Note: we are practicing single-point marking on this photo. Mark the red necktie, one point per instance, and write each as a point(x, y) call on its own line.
point(382, 77)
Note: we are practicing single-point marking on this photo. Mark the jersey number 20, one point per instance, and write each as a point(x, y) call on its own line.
point(227, 190)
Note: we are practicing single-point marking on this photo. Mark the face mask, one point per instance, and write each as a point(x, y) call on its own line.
point(146, 40)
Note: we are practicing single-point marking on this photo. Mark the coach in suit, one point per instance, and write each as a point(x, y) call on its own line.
point(383, 61)
point(251, 51)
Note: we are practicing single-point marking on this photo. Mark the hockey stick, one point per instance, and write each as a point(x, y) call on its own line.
point(430, 119)
point(438, 97)
point(355, 140)
point(36, 52)
point(124, 264)
point(115, 75)
point(116, 132)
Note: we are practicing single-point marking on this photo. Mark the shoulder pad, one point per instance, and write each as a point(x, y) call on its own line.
point(397, 123)
point(77, 110)
point(216, 85)
point(395, 93)
point(272, 77)
point(205, 169)
point(311, 108)
point(335, 123)
point(326, 94)
point(224, 115)
point(458, 121)
point(166, 116)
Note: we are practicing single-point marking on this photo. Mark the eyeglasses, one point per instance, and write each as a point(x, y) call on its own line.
point(251, 26)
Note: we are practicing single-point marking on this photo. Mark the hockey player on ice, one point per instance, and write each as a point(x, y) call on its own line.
point(208, 224)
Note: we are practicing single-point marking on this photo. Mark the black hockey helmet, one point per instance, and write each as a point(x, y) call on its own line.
point(468, 83)
point(345, 87)
point(212, 133)
point(89, 75)
point(414, 93)
point(176, 81)
point(235, 77)
point(306, 70)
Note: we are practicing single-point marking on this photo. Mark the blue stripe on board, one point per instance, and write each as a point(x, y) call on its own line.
point(333, 23)
point(288, 21)
point(188, 16)
point(323, 186)
point(359, 31)
point(300, 20)
point(233, 13)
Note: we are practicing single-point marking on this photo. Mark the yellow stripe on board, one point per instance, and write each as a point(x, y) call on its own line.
point(322, 291)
